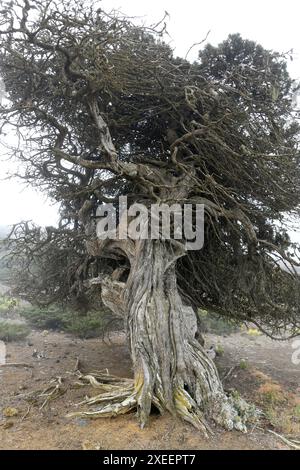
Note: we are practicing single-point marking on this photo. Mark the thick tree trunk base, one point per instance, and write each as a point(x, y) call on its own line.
point(172, 370)
point(120, 396)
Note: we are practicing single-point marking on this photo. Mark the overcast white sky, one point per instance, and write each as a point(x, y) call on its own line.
point(273, 23)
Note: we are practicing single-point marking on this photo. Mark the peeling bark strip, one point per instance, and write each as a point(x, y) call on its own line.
point(172, 370)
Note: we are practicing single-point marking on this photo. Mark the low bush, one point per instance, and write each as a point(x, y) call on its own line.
point(89, 325)
point(7, 304)
point(214, 323)
point(12, 331)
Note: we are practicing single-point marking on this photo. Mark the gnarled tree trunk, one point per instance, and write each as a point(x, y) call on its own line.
point(171, 368)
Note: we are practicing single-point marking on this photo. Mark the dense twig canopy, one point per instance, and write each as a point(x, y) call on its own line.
point(102, 108)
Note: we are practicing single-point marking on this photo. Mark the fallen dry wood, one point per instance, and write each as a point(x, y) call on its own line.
point(285, 440)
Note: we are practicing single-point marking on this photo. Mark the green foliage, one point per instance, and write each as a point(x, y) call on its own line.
point(12, 331)
point(7, 304)
point(244, 364)
point(217, 324)
point(54, 317)
point(90, 325)
point(219, 350)
point(50, 318)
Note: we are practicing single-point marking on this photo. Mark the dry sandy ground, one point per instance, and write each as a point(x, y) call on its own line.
point(53, 354)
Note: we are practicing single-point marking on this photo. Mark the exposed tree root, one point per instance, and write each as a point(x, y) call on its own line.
point(52, 392)
point(119, 396)
point(292, 443)
point(41, 398)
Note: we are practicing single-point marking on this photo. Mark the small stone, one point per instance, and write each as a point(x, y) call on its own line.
point(81, 422)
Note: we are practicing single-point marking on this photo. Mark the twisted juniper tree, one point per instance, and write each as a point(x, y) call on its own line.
point(102, 108)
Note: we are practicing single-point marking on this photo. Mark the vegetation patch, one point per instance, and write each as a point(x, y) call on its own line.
point(13, 332)
point(254, 332)
point(281, 408)
point(272, 393)
point(7, 304)
point(90, 325)
point(244, 364)
point(213, 323)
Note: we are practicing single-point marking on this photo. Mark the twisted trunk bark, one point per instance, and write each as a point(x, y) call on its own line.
point(172, 370)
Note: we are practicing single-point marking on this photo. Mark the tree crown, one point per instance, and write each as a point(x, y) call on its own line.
point(104, 108)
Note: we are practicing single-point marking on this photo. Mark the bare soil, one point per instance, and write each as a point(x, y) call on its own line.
point(255, 366)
